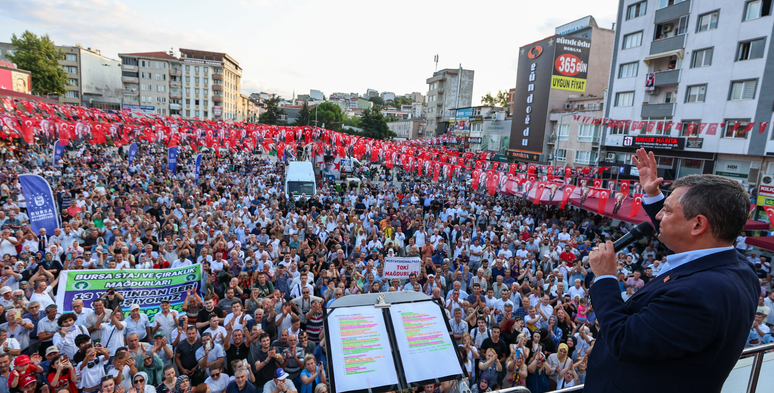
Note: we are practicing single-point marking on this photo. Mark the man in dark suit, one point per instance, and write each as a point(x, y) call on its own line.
point(685, 329)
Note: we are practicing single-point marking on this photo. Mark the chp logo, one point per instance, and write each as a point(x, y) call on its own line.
point(535, 52)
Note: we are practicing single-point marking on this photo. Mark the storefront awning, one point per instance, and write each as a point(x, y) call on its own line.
point(764, 242)
point(677, 52)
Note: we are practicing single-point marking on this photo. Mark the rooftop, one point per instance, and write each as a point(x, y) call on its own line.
point(155, 55)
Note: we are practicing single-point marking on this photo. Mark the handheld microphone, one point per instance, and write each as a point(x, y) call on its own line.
point(638, 232)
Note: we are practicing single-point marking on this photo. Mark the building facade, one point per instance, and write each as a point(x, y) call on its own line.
point(212, 83)
point(689, 79)
point(575, 140)
point(413, 128)
point(448, 89)
point(573, 63)
point(146, 79)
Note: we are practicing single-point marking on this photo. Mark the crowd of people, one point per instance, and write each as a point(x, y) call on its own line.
point(512, 275)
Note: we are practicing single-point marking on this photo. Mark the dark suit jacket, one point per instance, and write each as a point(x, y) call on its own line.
point(682, 332)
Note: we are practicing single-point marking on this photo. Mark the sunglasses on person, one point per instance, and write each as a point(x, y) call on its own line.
point(139, 380)
point(215, 375)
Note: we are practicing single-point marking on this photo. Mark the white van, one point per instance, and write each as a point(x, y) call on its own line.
point(299, 179)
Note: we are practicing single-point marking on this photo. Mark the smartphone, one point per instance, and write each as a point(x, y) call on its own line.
point(208, 345)
point(97, 344)
point(18, 299)
point(182, 323)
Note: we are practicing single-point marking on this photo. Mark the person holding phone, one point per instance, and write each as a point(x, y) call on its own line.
point(64, 339)
point(312, 374)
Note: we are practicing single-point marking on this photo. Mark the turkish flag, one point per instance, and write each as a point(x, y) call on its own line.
point(568, 189)
point(748, 127)
point(770, 213)
point(702, 127)
point(436, 171)
point(762, 126)
point(651, 125)
point(636, 203)
point(531, 168)
point(604, 194)
point(512, 169)
point(492, 181)
point(541, 186)
point(27, 129)
point(625, 184)
point(713, 129)
point(475, 178)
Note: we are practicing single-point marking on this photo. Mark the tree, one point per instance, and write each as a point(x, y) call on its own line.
point(399, 101)
point(377, 100)
point(40, 56)
point(375, 126)
point(329, 114)
point(303, 116)
point(352, 122)
point(273, 111)
point(500, 100)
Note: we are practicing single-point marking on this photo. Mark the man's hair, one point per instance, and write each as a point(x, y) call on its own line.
point(723, 201)
point(64, 317)
point(295, 319)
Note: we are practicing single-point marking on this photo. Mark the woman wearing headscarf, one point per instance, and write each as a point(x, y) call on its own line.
point(559, 361)
point(554, 331)
point(577, 348)
point(140, 384)
point(152, 365)
point(183, 384)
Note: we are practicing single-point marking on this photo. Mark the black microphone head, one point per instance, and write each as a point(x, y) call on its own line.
point(643, 229)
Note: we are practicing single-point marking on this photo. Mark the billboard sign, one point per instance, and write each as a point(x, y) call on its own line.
point(571, 64)
point(530, 107)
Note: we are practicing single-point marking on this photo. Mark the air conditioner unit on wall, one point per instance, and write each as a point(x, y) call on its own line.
point(767, 179)
point(610, 157)
point(667, 28)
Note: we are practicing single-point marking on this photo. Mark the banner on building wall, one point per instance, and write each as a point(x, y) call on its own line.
point(146, 288)
point(571, 64)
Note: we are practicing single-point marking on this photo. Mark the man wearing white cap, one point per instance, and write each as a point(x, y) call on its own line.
point(138, 323)
point(6, 299)
point(280, 383)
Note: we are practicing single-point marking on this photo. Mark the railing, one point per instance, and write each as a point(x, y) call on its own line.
point(755, 352)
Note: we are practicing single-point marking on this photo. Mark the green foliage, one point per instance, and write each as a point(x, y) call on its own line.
point(375, 126)
point(398, 101)
point(353, 122)
point(41, 57)
point(377, 100)
point(303, 116)
point(501, 99)
point(273, 111)
point(329, 114)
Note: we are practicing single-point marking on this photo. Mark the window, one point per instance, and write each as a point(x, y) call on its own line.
point(206, 70)
point(71, 57)
point(161, 88)
point(624, 99)
point(756, 9)
point(690, 167)
point(702, 58)
point(588, 133)
point(665, 162)
point(670, 97)
point(636, 10)
point(682, 25)
point(72, 82)
point(563, 132)
point(71, 69)
point(632, 40)
point(71, 94)
point(743, 90)
point(197, 70)
point(623, 158)
point(158, 77)
point(749, 50)
point(667, 3)
point(614, 129)
point(187, 101)
point(735, 128)
point(690, 128)
point(204, 114)
point(188, 68)
point(585, 157)
point(707, 21)
point(696, 93)
point(206, 103)
point(196, 80)
point(188, 112)
point(196, 102)
point(196, 113)
point(628, 70)
point(128, 61)
point(561, 154)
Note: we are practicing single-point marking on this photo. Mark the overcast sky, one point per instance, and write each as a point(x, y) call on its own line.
point(333, 45)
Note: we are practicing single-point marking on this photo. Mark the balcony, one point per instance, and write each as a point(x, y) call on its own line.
point(132, 92)
point(657, 110)
point(176, 95)
point(673, 11)
point(175, 72)
point(217, 99)
point(176, 83)
point(130, 79)
point(552, 139)
point(217, 77)
point(667, 45)
point(174, 107)
point(217, 88)
point(667, 78)
point(132, 68)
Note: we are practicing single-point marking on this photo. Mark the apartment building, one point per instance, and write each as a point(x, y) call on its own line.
point(448, 89)
point(147, 82)
point(695, 71)
point(211, 85)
